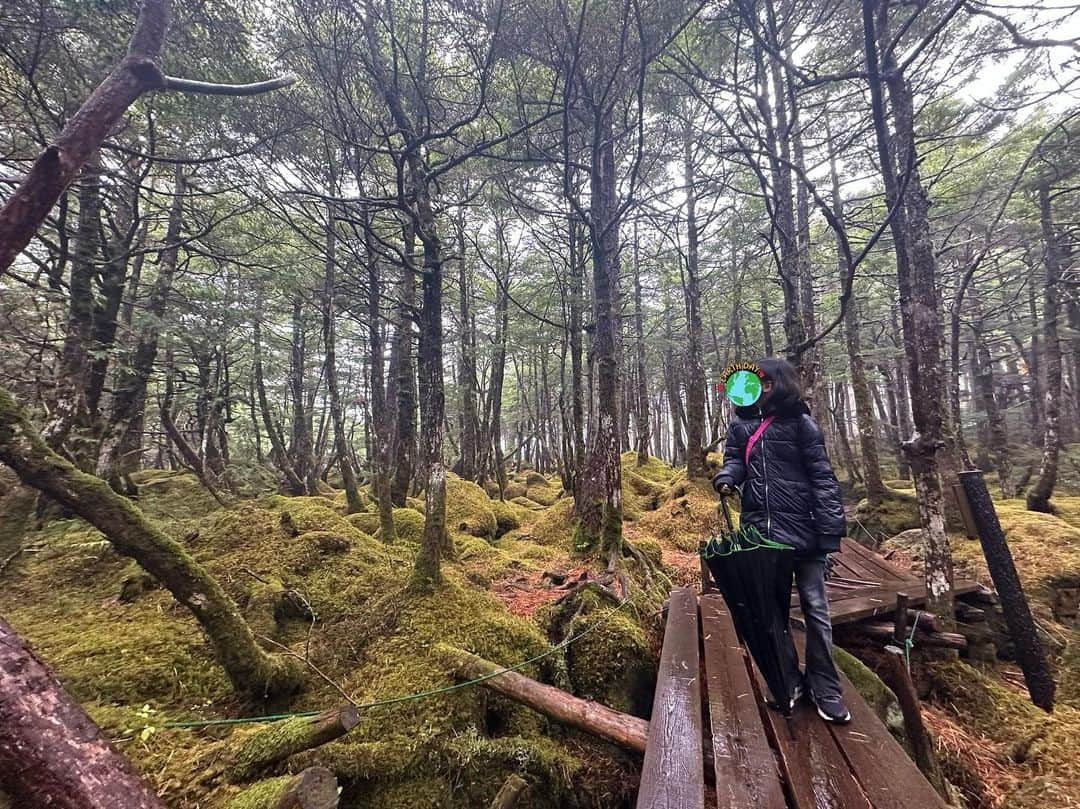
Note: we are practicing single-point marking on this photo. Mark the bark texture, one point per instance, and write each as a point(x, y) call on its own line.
point(51, 753)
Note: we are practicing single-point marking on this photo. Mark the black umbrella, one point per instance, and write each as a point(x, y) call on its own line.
point(753, 574)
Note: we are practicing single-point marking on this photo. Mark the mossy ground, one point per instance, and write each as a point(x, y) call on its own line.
point(140, 662)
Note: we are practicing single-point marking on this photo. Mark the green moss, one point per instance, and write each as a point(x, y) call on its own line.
point(899, 511)
point(167, 495)
point(1045, 746)
point(262, 795)
point(653, 470)
point(366, 522)
point(468, 509)
point(684, 516)
point(870, 687)
point(1068, 691)
point(408, 524)
point(555, 525)
point(514, 489)
point(612, 664)
point(509, 516)
point(544, 495)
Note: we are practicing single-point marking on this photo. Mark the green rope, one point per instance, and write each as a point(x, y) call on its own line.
point(251, 720)
point(909, 641)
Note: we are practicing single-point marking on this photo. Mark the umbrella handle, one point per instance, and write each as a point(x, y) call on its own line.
point(727, 512)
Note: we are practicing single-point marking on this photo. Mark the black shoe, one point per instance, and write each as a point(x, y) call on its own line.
point(832, 709)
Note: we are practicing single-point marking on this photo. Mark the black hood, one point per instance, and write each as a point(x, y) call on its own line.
point(780, 409)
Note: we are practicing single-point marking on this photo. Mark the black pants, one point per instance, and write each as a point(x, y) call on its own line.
point(809, 575)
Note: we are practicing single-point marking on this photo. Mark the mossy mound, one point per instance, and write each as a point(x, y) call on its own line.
point(1045, 547)
point(1045, 746)
point(555, 525)
point(143, 662)
point(408, 524)
point(168, 495)
point(531, 478)
point(612, 664)
point(468, 509)
point(366, 521)
point(898, 512)
point(513, 491)
point(653, 469)
point(545, 495)
point(510, 516)
point(686, 514)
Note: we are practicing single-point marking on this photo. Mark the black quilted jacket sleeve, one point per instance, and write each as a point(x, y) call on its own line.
point(829, 518)
point(733, 472)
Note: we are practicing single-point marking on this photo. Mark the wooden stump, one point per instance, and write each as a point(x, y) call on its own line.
point(314, 788)
point(508, 795)
point(286, 738)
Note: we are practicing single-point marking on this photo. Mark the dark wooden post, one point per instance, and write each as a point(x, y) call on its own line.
point(900, 619)
point(898, 678)
point(706, 576)
point(1029, 650)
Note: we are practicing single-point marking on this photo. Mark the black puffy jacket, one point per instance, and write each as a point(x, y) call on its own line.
point(789, 490)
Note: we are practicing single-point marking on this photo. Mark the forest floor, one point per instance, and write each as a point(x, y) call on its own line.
point(138, 662)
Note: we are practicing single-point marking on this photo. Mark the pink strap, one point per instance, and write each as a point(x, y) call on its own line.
point(765, 422)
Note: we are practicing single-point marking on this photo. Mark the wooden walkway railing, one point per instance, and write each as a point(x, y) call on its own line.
point(756, 762)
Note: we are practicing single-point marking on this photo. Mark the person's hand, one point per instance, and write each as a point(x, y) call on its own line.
point(725, 490)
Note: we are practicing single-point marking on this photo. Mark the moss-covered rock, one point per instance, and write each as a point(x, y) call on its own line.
point(870, 687)
point(368, 522)
point(408, 524)
point(653, 470)
point(899, 511)
point(545, 495)
point(685, 515)
point(555, 525)
point(469, 509)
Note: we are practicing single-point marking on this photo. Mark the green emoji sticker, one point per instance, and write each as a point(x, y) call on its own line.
point(742, 387)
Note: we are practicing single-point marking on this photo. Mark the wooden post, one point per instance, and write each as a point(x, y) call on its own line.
point(314, 788)
point(706, 576)
point(1022, 629)
point(898, 678)
point(900, 618)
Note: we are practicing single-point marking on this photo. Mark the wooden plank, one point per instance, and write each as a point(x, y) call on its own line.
point(872, 562)
point(672, 775)
point(814, 768)
point(888, 777)
point(851, 606)
point(745, 765)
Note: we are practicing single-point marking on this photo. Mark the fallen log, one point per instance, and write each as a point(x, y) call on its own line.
point(314, 788)
point(509, 793)
point(884, 633)
point(628, 732)
point(51, 753)
point(282, 739)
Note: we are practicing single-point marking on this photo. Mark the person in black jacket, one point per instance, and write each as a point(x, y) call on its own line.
point(790, 494)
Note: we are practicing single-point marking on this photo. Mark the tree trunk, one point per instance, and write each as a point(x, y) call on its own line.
point(51, 753)
point(62, 159)
point(403, 376)
point(341, 441)
point(641, 389)
point(600, 508)
point(628, 732)
point(301, 439)
point(695, 382)
point(279, 740)
point(249, 668)
point(916, 270)
point(119, 454)
point(864, 411)
point(1038, 499)
point(277, 442)
point(381, 417)
point(470, 426)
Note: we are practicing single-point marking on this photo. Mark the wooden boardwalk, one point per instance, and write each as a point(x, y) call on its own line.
point(707, 687)
point(863, 585)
